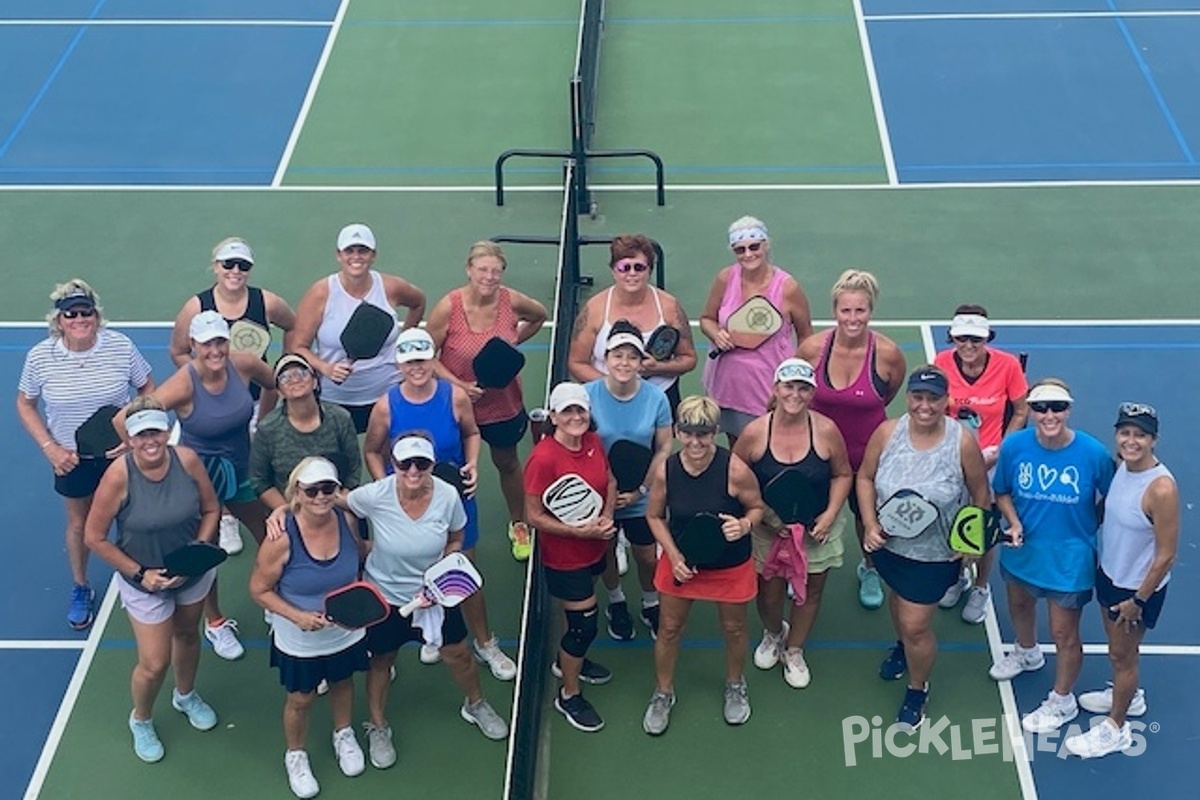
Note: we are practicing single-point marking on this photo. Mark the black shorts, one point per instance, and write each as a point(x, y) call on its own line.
point(1109, 595)
point(507, 432)
point(360, 414)
point(396, 631)
point(636, 530)
point(302, 675)
point(83, 480)
point(572, 585)
point(920, 582)
point(673, 399)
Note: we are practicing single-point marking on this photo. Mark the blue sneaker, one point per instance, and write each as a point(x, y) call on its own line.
point(198, 712)
point(912, 710)
point(83, 600)
point(870, 587)
point(895, 665)
point(145, 740)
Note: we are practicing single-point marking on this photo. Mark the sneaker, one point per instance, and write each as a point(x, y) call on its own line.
point(1101, 702)
point(622, 551)
point(912, 710)
point(229, 534)
point(224, 640)
point(795, 668)
point(737, 703)
point(1051, 715)
point(322, 688)
point(299, 773)
point(145, 740)
point(379, 745)
point(81, 612)
point(591, 672)
point(1103, 738)
point(522, 540)
point(954, 593)
point(484, 716)
point(870, 587)
point(1016, 662)
point(658, 713)
point(429, 655)
point(895, 665)
point(650, 620)
point(199, 713)
point(766, 655)
point(349, 754)
point(579, 712)
point(620, 624)
point(502, 667)
point(975, 609)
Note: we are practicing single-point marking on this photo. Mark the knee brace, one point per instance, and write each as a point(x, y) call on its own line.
point(582, 627)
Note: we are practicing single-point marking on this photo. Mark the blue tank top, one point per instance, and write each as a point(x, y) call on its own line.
point(219, 424)
point(157, 517)
point(305, 580)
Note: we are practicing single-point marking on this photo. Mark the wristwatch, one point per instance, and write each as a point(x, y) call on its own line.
point(642, 490)
point(1139, 602)
point(139, 575)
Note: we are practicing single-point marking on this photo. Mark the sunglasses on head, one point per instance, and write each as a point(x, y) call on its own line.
point(421, 464)
point(968, 339)
point(753, 247)
point(795, 372)
point(1136, 410)
point(1057, 406)
point(630, 266)
point(240, 264)
point(415, 346)
point(86, 313)
point(324, 487)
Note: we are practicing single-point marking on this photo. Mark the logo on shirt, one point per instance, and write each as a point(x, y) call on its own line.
point(1049, 480)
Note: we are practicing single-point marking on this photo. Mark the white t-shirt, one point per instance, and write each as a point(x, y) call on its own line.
point(403, 548)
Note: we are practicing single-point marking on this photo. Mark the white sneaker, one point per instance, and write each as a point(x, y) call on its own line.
point(379, 746)
point(230, 535)
point(622, 553)
point(951, 597)
point(795, 668)
point(349, 754)
point(1101, 702)
point(1103, 738)
point(1016, 662)
point(429, 655)
point(766, 655)
point(1051, 715)
point(224, 640)
point(975, 609)
point(323, 687)
point(299, 773)
point(502, 667)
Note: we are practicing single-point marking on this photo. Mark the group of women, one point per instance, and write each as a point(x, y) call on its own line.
point(809, 403)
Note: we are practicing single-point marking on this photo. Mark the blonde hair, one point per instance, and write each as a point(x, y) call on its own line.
point(698, 410)
point(290, 492)
point(144, 402)
point(227, 240)
point(73, 286)
point(856, 280)
point(484, 248)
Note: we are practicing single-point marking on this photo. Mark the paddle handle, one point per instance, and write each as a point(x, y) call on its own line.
point(418, 601)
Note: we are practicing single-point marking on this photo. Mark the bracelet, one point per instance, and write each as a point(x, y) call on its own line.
point(47, 443)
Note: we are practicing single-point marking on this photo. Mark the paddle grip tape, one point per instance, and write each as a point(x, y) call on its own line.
point(582, 626)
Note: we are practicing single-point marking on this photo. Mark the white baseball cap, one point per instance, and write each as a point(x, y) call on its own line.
point(355, 234)
point(407, 447)
point(234, 249)
point(148, 419)
point(618, 339)
point(208, 325)
point(569, 394)
point(414, 344)
point(796, 369)
point(318, 470)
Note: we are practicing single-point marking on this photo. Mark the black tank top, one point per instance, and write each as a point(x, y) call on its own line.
point(256, 312)
point(812, 466)
point(708, 492)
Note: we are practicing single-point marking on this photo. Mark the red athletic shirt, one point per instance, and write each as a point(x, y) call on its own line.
point(1001, 382)
point(549, 461)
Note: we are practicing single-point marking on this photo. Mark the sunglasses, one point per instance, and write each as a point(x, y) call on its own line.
point(240, 264)
point(293, 376)
point(630, 266)
point(794, 372)
point(421, 464)
point(753, 247)
point(1057, 406)
point(324, 487)
point(414, 347)
point(1137, 410)
point(86, 313)
point(968, 339)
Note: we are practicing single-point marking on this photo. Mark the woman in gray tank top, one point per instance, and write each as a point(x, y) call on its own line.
point(161, 499)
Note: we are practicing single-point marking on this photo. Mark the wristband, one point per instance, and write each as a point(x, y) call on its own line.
point(1139, 602)
point(47, 443)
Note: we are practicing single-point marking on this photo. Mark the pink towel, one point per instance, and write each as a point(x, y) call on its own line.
point(788, 560)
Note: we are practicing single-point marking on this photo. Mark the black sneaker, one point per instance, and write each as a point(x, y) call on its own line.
point(620, 624)
point(650, 619)
point(895, 665)
point(590, 672)
point(579, 712)
point(912, 710)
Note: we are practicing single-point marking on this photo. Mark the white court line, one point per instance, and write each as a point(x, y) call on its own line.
point(72, 693)
point(158, 23)
point(1144, 649)
point(974, 15)
point(294, 137)
point(885, 139)
point(43, 644)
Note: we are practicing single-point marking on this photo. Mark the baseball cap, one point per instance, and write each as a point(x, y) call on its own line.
point(317, 470)
point(796, 369)
point(1139, 414)
point(414, 344)
point(970, 325)
point(289, 360)
point(149, 419)
point(232, 250)
point(407, 447)
point(355, 234)
point(928, 380)
point(618, 339)
point(1049, 393)
point(569, 394)
point(208, 325)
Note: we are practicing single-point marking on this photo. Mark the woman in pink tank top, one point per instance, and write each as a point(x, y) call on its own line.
point(740, 379)
point(858, 374)
point(461, 323)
